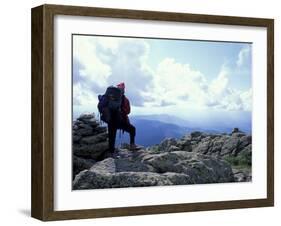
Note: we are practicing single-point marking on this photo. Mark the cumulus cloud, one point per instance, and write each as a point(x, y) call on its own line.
point(102, 61)
point(246, 98)
point(222, 96)
point(219, 85)
point(91, 68)
point(83, 96)
point(175, 83)
point(244, 56)
point(129, 65)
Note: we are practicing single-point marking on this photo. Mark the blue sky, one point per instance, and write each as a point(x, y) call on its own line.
point(198, 54)
point(185, 78)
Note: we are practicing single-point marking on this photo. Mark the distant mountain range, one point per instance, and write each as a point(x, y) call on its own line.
point(151, 132)
point(216, 123)
point(152, 129)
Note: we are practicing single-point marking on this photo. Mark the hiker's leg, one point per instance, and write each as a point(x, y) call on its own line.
point(111, 136)
point(132, 134)
point(129, 128)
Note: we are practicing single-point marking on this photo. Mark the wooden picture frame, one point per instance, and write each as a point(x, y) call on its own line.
point(42, 205)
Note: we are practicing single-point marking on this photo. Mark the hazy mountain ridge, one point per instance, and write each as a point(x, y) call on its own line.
point(152, 129)
point(216, 123)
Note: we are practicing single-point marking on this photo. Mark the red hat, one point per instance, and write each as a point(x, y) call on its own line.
point(121, 85)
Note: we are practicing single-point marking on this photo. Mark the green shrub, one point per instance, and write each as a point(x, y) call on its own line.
point(232, 160)
point(243, 159)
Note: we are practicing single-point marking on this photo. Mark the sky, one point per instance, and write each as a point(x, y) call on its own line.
point(184, 78)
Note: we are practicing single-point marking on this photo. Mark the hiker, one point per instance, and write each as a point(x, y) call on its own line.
point(114, 107)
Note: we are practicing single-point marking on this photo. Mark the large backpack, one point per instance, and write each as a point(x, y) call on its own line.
point(110, 105)
point(114, 97)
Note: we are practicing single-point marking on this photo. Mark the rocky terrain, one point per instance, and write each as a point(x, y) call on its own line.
point(196, 158)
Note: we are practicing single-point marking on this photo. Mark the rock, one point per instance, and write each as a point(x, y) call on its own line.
point(75, 127)
point(241, 175)
point(166, 144)
point(173, 148)
point(93, 151)
point(94, 139)
point(193, 143)
point(76, 138)
point(217, 144)
point(230, 145)
point(86, 131)
point(203, 146)
point(93, 180)
point(196, 158)
point(99, 130)
point(80, 164)
point(186, 137)
point(132, 165)
point(77, 123)
point(106, 166)
point(244, 142)
point(238, 134)
point(92, 122)
point(195, 134)
point(235, 130)
point(86, 116)
point(85, 126)
point(184, 144)
point(178, 178)
point(200, 168)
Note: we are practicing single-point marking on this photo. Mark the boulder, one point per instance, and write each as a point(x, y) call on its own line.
point(195, 158)
point(195, 134)
point(200, 168)
point(75, 127)
point(173, 148)
point(84, 131)
point(204, 145)
point(132, 165)
point(77, 123)
point(238, 134)
point(184, 144)
point(106, 166)
point(242, 175)
point(93, 151)
point(99, 129)
point(84, 126)
point(93, 122)
point(235, 130)
point(244, 142)
point(230, 145)
point(86, 116)
point(94, 139)
point(80, 164)
point(216, 147)
point(76, 138)
point(93, 180)
point(166, 144)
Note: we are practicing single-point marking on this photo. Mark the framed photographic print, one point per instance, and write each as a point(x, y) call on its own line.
point(142, 112)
